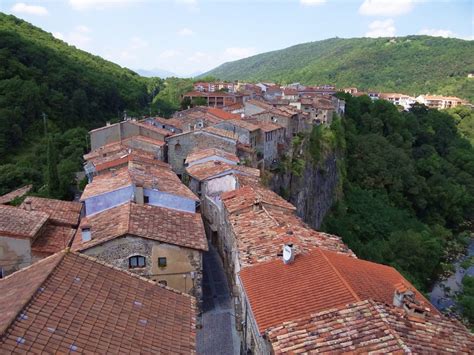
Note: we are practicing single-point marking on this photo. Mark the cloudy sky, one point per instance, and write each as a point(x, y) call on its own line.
point(189, 36)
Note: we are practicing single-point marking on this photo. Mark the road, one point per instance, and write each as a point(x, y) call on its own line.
point(218, 334)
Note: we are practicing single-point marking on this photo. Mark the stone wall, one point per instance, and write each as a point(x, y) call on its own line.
point(184, 266)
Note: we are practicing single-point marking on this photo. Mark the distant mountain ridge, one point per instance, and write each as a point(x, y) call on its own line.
point(412, 65)
point(156, 72)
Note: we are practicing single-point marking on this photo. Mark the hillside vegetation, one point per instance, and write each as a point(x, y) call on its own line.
point(411, 65)
point(41, 74)
point(408, 186)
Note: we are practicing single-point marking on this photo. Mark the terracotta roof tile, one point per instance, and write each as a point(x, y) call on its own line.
point(369, 326)
point(14, 194)
point(53, 239)
point(210, 152)
point(247, 196)
point(151, 222)
point(203, 171)
point(72, 303)
point(223, 115)
point(60, 212)
point(16, 222)
point(316, 281)
point(245, 124)
point(139, 172)
point(221, 132)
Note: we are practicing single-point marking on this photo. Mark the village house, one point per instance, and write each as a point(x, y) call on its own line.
point(273, 92)
point(215, 86)
point(335, 285)
point(203, 176)
point(72, 303)
point(290, 94)
point(35, 230)
point(210, 154)
point(397, 99)
point(162, 244)
point(183, 144)
point(170, 124)
point(214, 99)
point(287, 117)
point(140, 181)
point(440, 102)
point(118, 132)
point(246, 132)
point(317, 90)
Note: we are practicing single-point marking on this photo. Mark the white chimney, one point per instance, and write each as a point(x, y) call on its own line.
point(86, 233)
point(288, 253)
point(28, 205)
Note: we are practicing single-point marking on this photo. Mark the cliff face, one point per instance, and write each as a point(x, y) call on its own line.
point(313, 193)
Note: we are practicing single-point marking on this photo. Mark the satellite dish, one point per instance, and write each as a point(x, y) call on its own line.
point(288, 253)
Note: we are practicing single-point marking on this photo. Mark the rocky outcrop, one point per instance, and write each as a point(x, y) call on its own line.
point(314, 192)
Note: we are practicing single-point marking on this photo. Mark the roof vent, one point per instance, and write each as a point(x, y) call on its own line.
point(288, 253)
point(20, 340)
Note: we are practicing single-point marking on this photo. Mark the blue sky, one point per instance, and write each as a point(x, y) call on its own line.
point(188, 36)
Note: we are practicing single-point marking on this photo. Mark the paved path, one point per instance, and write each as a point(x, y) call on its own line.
point(218, 334)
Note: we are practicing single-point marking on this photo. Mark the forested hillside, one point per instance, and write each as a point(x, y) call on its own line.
point(75, 90)
point(411, 65)
point(408, 187)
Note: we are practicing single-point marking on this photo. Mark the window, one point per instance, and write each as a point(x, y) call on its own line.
point(177, 148)
point(136, 261)
point(163, 282)
point(146, 199)
point(162, 262)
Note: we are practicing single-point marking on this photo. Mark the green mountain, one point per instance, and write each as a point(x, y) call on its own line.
point(76, 90)
point(39, 73)
point(412, 65)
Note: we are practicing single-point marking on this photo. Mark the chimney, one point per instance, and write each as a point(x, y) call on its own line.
point(28, 205)
point(288, 253)
point(139, 199)
point(86, 232)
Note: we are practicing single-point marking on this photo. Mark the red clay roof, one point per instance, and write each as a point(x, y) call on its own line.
point(53, 239)
point(151, 222)
point(14, 194)
point(203, 171)
point(210, 152)
point(73, 303)
point(60, 212)
point(224, 115)
point(16, 222)
point(316, 281)
point(368, 326)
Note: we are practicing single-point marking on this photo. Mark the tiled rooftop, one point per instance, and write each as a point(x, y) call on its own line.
point(159, 176)
point(205, 153)
point(210, 169)
point(224, 115)
point(53, 239)
point(221, 132)
point(72, 303)
point(14, 194)
point(146, 221)
point(60, 212)
point(316, 281)
point(16, 222)
point(245, 124)
point(368, 326)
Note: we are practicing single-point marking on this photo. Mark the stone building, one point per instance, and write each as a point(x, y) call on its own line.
point(142, 181)
point(35, 230)
point(113, 133)
point(161, 244)
point(181, 145)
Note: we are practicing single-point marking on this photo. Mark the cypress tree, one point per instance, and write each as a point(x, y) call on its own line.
point(52, 176)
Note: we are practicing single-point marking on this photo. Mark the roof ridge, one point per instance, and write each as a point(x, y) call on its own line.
point(392, 331)
point(91, 258)
point(24, 305)
point(340, 276)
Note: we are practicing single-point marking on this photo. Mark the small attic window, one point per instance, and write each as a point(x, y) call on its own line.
point(136, 261)
point(162, 262)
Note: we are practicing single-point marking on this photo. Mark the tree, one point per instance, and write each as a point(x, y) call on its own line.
point(52, 176)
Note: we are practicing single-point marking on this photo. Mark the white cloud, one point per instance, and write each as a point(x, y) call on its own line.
point(385, 7)
point(58, 35)
point(312, 2)
point(185, 32)
point(436, 32)
point(234, 53)
point(98, 4)
point(381, 28)
point(22, 8)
